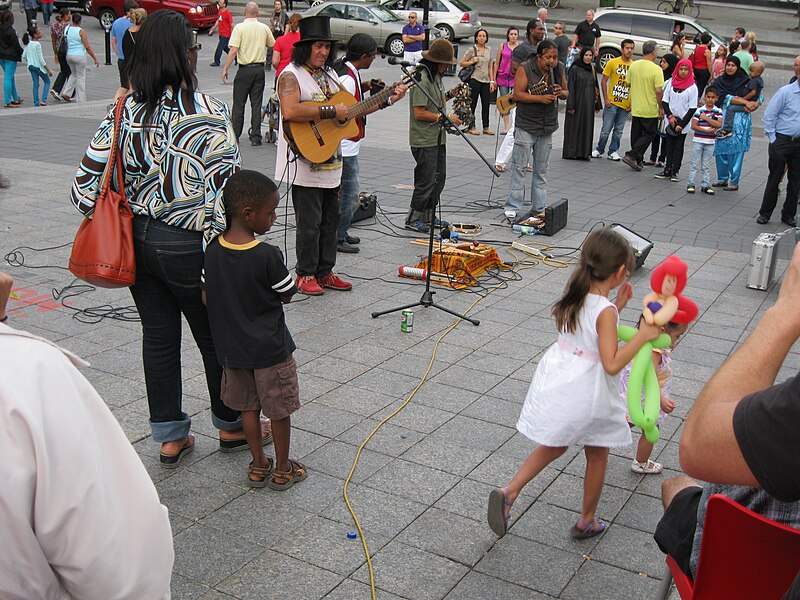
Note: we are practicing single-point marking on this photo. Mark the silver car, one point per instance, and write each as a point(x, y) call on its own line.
point(453, 18)
point(349, 18)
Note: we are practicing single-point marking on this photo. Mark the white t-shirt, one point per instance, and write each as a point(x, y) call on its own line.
point(79, 515)
point(349, 147)
point(680, 103)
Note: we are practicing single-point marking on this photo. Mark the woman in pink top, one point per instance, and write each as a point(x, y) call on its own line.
point(282, 50)
point(505, 80)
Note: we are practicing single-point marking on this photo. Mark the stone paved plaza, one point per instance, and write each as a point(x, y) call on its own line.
point(422, 483)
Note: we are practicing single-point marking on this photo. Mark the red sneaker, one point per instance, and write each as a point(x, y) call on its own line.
point(307, 284)
point(334, 282)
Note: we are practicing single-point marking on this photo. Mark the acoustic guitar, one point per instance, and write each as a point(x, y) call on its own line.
point(317, 141)
point(507, 102)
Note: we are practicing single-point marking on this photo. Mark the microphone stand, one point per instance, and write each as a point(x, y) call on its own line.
point(426, 299)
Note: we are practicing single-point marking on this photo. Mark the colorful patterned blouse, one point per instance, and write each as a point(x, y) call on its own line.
point(175, 169)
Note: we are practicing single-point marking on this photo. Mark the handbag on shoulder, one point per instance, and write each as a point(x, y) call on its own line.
point(103, 253)
point(465, 73)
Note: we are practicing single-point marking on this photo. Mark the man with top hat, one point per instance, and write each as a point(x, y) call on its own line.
point(315, 186)
point(427, 140)
point(248, 44)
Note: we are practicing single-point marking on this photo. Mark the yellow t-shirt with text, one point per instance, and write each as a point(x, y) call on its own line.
point(617, 72)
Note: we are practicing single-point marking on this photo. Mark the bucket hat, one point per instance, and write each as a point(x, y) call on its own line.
point(441, 51)
point(315, 29)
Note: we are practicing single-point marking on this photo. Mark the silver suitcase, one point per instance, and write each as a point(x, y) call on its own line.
point(763, 259)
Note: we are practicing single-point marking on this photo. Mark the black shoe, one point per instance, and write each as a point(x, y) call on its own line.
point(762, 220)
point(351, 239)
point(790, 221)
point(214, 65)
point(344, 246)
point(662, 175)
point(255, 142)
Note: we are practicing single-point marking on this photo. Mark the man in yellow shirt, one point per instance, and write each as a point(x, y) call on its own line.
point(646, 80)
point(248, 44)
point(616, 100)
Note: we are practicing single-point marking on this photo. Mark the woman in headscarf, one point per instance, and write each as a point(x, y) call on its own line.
point(582, 104)
point(668, 63)
point(729, 152)
point(680, 102)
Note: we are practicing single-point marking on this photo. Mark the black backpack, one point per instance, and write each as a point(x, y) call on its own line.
point(61, 44)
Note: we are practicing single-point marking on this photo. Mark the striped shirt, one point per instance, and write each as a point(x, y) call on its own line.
point(175, 169)
point(699, 118)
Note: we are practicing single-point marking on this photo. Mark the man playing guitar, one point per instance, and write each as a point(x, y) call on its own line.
point(535, 122)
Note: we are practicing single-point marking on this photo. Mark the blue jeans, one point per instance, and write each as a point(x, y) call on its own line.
point(614, 118)
point(729, 167)
point(701, 158)
point(730, 112)
point(9, 85)
point(222, 46)
point(524, 144)
point(36, 74)
point(47, 11)
point(348, 195)
point(169, 261)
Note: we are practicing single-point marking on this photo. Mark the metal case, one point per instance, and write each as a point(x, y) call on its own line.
point(763, 259)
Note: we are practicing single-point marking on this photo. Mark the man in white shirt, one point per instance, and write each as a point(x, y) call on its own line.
point(79, 515)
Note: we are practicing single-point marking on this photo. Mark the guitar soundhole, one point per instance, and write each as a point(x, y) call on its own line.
point(314, 128)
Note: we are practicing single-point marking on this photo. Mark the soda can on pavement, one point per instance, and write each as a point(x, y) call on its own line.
point(407, 322)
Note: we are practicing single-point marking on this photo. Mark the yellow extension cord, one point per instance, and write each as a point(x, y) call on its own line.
point(555, 263)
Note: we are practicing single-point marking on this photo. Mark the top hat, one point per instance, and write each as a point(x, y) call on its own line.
point(440, 51)
point(315, 29)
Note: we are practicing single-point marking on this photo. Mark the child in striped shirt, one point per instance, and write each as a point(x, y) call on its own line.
point(706, 121)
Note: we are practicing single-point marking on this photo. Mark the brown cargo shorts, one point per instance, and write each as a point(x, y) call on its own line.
point(274, 390)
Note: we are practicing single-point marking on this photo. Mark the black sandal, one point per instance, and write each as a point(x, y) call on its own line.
point(171, 461)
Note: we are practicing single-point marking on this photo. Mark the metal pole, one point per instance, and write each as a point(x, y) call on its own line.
point(108, 46)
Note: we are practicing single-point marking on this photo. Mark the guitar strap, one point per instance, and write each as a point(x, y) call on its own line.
point(359, 96)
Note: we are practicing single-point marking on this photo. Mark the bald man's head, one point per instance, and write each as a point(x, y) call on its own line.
point(251, 10)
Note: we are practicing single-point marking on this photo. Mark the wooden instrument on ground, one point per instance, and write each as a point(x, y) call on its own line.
point(507, 102)
point(317, 141)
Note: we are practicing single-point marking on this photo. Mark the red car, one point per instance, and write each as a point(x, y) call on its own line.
point(200, 16)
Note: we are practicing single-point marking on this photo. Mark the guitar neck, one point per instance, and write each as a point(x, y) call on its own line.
point(363, 107)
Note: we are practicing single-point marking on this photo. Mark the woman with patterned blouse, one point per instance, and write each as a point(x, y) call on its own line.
point(178, 149)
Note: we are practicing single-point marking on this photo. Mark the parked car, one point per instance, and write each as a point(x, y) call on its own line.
point(73, 5)
point(641, 25)
point(349, 18)
point(453, 18)
point(200, 16)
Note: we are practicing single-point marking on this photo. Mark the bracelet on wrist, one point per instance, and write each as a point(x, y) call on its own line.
point(327, 111)
point(4, 319)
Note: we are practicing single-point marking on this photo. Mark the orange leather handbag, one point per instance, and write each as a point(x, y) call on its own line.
point(102, 253)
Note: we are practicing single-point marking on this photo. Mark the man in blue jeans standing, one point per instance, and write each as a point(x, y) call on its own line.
point(536, 120)
point(616, 100)
point(118, 29)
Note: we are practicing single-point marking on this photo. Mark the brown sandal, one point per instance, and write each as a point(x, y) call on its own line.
point(283, 480)
point(261, 475)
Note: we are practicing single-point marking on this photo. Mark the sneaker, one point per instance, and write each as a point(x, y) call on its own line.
point(55, 95)
point(690, 189)
point(614, 156)
point(418, 226)
point(596, 154)
point(674, 177)
point(662, 175)
point(707, 190)
point(334, 282)
point(724, 133)
point(346, 247)
point(511, 214)
point(646, 468)
point(307, 284)
point(631, 162)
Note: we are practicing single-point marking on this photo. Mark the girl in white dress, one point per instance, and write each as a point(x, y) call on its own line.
point(574, 396)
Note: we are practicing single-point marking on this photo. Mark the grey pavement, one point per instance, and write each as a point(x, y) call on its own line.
point(421, 486)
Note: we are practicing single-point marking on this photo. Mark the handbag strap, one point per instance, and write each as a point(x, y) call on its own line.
point(115, 156)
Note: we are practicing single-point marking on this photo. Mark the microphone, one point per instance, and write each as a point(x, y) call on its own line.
point(396, 60)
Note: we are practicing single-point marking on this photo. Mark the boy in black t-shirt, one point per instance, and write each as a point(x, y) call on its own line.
point(245, 284)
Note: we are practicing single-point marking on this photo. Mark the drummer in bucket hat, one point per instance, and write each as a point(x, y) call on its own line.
point(427, 145)
point(315, 186)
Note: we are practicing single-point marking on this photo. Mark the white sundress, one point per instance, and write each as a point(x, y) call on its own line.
point(572, 400)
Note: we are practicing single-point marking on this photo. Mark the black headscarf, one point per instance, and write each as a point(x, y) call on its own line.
point(672, 61)
point(731, 84)
point(579, 62)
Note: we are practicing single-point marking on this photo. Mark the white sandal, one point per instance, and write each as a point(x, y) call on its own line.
point(646, 468)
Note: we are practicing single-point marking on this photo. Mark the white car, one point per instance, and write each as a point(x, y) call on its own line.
point(453, 18)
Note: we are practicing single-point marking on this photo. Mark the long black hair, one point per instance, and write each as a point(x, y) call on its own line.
point(163, 45)
point(302, 52)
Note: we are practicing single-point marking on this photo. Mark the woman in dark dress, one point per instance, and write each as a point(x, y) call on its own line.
point(582, 104)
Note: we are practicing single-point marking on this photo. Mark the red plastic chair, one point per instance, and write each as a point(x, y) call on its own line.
point(742, 555)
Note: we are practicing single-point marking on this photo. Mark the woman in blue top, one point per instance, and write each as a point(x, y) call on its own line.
point(77, 48)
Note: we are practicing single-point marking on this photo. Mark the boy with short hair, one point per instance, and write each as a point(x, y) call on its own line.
point(705, 122)
point(754, 87)
point(245, 282)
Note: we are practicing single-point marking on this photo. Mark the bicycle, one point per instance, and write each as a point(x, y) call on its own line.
point(686, 7)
